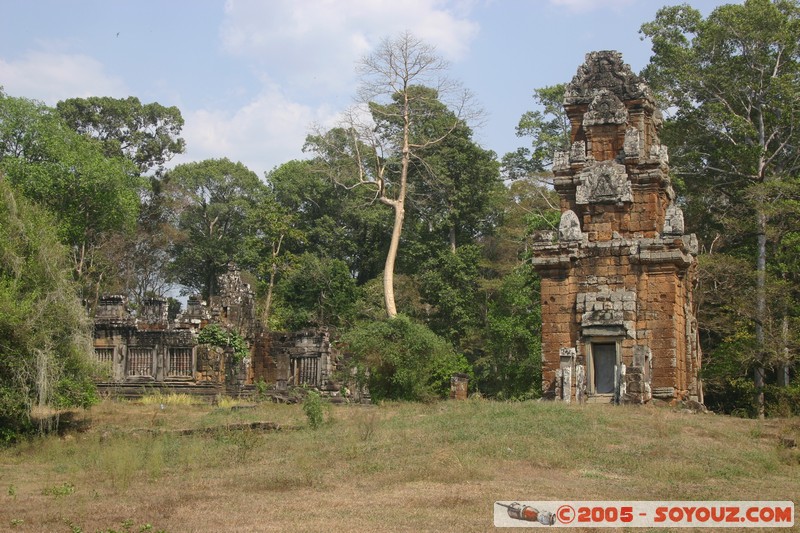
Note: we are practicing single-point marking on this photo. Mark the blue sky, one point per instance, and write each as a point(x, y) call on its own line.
point(252, 77)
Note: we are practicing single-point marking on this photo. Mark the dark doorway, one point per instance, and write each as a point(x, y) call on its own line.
point(604, 358)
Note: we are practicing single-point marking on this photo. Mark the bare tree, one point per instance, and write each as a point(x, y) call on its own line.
point(376, 143)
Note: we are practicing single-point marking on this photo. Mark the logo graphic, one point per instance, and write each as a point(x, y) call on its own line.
point(527, 513)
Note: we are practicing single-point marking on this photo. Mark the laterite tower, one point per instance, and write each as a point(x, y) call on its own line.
point(617, 278)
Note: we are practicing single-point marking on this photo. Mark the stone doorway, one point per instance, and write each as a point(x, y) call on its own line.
point(603, 363)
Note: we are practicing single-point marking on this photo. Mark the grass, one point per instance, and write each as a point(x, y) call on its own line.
point(394, 467)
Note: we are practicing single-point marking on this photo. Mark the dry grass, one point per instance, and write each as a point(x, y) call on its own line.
point(396, 467)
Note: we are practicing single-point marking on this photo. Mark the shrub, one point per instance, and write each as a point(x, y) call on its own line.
point(312, 407)
point(405, 359)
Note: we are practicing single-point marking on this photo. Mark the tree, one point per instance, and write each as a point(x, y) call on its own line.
point(379, 158)
point(146, 134)
point(45, 334)
point(454, 184)
point(213, 199)
point(316, 292)
point(733, 80)
point(549, 131)
point(334, 222)
point(92, 195)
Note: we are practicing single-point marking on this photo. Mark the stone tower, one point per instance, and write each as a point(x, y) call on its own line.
point(617, 278)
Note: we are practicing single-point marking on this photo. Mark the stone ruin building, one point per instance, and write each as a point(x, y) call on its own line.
point(149, 350)
point(617, 278)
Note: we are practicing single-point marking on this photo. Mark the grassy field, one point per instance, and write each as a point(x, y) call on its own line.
point(394, 467)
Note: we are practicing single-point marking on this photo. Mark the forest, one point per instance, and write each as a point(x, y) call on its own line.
point(399, 231)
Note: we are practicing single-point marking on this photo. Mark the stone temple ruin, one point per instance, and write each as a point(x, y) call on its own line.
point(617, 277)
point(149, 350)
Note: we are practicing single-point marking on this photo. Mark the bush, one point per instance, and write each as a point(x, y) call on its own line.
point(405, 359)
point(312, 407)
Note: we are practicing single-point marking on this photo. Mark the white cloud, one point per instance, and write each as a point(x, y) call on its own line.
point(315, 44)
point(266, 132)
point(53, 76)
point(585, 6)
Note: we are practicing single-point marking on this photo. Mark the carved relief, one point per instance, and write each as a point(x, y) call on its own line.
point(605, 109)
point(633, 143)
point(577, 153)
point(605, 70)
point(603, 182)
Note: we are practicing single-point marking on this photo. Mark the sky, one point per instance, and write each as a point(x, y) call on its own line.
point(252, 77)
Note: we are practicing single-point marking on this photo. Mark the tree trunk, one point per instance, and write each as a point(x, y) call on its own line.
point(452, 239)
point(391, 256)
point(276, 249)
point(761, 308)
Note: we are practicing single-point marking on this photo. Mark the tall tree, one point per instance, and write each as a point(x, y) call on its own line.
point(548, 130)
point(733, 80)
point(334, 222)
point(359, 154)
point(92, 195)
point(147, 134)
point(214, 198)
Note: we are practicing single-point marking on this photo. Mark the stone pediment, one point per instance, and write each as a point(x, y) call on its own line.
point(605, 108)
point(603, 182)
point(605, 70)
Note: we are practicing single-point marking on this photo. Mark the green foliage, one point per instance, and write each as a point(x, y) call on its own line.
point(406, 360)
point(214, 198)
point(449, 284)
point(215, 335)
point(65, 489)
point(44, 330)
point(91, 195)
point(146, 134)
point(316, 291)
point(549, 131)
point(731, 81)
point(312, 407)
point(511, 364)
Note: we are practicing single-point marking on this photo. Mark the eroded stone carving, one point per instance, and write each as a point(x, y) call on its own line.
point(605, 70)
point(605, 108)
point(633, 143)
point(569, 229)
point(673, 223)
point(577, 153)
point(605, 181)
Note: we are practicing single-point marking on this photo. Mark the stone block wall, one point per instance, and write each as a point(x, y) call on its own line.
point(148, 348)
point(618, 279)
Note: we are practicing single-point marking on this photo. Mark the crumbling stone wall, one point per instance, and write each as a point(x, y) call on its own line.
point(617, 277)
point(148, 348)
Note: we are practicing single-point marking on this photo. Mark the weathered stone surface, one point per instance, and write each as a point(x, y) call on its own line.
point(626, 279)
point(605, 108)
point(149, 348)
point(603, 182)
point(605, 70)
point(569, 229)
point(673, 222)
